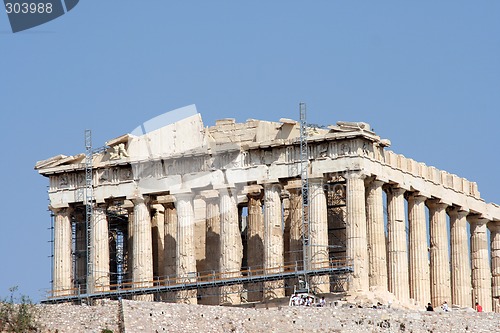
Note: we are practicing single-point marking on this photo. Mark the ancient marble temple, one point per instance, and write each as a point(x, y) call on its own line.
point(186, 200)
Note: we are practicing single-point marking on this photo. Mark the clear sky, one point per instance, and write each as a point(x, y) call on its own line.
point(425, 75)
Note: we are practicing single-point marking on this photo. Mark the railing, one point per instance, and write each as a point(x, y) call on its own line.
point(210, 279)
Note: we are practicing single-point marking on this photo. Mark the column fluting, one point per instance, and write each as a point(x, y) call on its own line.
point(356, 234)
point(273, 240)
point(231, 246)
point(420, 287)
point(318, 238)
point(480, 263)
point(439, 254)
point(255, 241)
point(460, 260)
point(62, 267)
point(186, 261)
point(495, 264)
point(142, 244)
point(377, 250)
point(397, 249)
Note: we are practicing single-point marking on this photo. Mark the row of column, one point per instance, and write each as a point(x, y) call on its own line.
point(265, 241)
point(407, 266)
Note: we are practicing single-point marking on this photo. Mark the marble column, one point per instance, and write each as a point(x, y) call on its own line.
point(356, 233)
point(296, 246)
point(170, 241)
point(377, 251)
point(273, 240)
point(212, 244)
point(158, 238)
point(80, 251)
point(231, 246)
point(62, 267)
point(142, 244)
point(99, 280)
point(255, 242)
point(480, 263)
point(439, 254)
point(420, 286)
point(129, 206)
point(318, 237)
point(495, 263)
point(460, 260)
point(397, 249)
point(186, 261)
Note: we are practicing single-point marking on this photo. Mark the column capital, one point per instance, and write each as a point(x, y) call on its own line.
point(494, 226)
point(394, 189)
point(253, 190)
point(436, 204)
point(456, 212)
point(477, 220)
point(208, 195)
point(183, 196)
point(416, 196)
point(373, 182)
point(139, 198)
point(272, 185)
point(355, 175)
point(61, 210)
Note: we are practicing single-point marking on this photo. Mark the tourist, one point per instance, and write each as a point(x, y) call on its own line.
point(429, 307)
point(322, 302)
point(479, 308)
point(444, 306)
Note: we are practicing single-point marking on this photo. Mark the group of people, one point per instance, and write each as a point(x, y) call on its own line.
point(445, 307)
point(305, 300)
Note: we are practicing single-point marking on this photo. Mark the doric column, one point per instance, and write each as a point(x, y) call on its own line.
point(212, 243)
point(377, 250)
point(397, 250)
point(273, 240)
point(62, 268)
point(480, 263)
point(460, 260)
point(129, 207)
point(170, 241)
point(142, 244)
point(495, 264)
point(356, 234)
point(80, 251)
point(231, 246)
point(186, 261)
point(420, 287)
point(99, 280)
point(318, 237)
point(439, 253)
point(295, 217)
point(255, 239)
point(158, 238)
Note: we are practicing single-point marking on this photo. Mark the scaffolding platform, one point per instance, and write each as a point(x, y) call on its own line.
point(337, 267)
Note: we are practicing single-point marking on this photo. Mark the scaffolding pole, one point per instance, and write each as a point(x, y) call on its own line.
point(304, 164)
point(89, 200)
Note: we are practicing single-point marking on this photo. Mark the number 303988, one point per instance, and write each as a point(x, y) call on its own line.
point(28, 8)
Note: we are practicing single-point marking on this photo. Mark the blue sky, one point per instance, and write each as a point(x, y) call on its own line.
point(425, 75)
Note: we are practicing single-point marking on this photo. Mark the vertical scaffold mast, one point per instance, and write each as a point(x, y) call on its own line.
point(89, 201)
point(304, 164)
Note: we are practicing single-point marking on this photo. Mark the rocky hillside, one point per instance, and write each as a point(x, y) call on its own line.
point(144, 317)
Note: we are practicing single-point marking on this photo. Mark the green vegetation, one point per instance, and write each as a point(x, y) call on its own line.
point(17, 314)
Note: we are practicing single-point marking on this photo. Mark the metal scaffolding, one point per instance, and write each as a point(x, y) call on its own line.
point(304, 165)
point(89, 202)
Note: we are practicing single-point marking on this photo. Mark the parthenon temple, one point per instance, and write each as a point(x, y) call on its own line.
point(185, 203)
